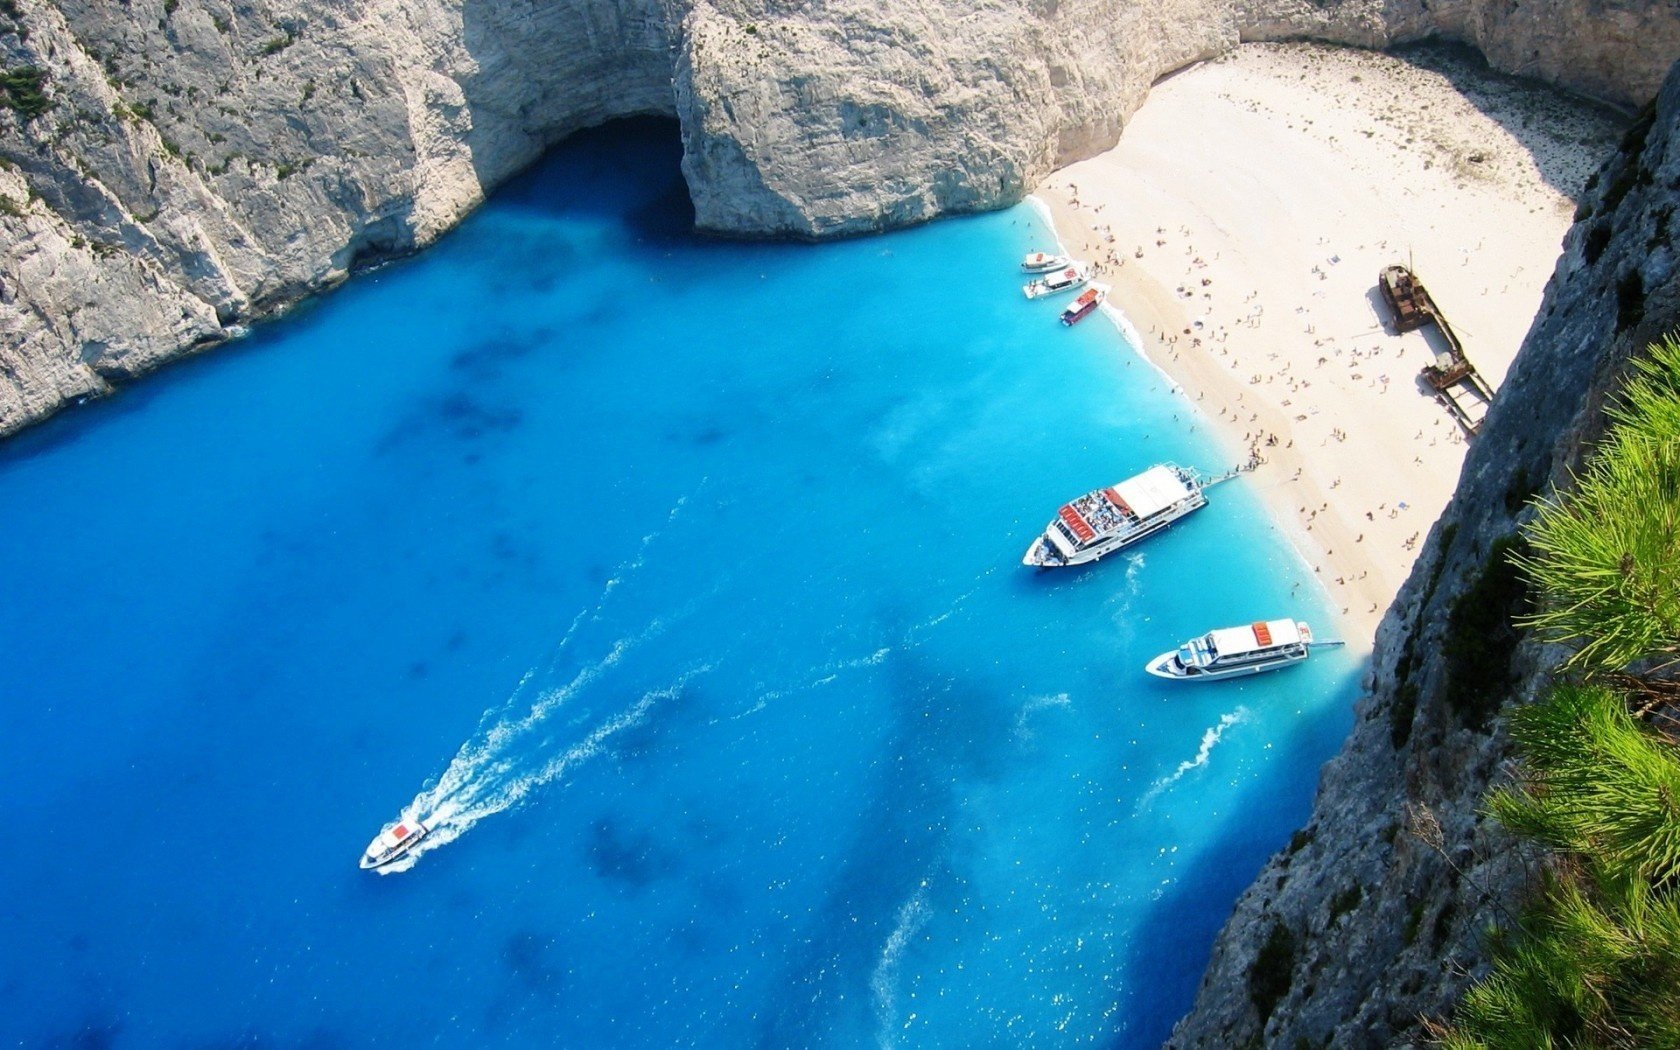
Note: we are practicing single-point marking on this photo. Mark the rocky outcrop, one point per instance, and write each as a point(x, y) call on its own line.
point(203, 162)
point(186, 166)
point(877, 116)
point(1615, 50)
point(1374, 916)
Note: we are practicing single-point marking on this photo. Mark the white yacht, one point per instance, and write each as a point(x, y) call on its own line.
point(393, 841)
point(1102, 522)
point(1230, 652)
point(1043, 262)
point(1063, 280)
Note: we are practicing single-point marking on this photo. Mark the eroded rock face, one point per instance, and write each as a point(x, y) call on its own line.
point(1615, 50)
point(874, 116)
point(1375, 912)
point(204, 162)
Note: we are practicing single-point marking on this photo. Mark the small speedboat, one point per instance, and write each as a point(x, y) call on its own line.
point(393, 842)
point(1063, 280)
point(1043, 262)
point(1232, 652)
point(1085, 305)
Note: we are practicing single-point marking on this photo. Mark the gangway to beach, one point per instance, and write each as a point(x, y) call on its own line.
point(1459, 388)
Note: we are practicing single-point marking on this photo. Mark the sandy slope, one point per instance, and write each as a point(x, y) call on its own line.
point(1243, 220)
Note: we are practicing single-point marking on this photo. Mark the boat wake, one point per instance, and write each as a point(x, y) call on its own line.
point(484, 780)
point(511, 753)
point(1024, 717)
point(913, 914)
point(1210, 740)
point(825, 675)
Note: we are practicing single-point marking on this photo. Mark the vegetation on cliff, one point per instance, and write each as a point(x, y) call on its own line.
point(1594, 959)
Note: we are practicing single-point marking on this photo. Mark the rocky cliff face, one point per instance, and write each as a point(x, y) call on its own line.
point(203, 162)
point(1616, 50)
point(872, 116)
point(185, 166)
point(1373, 917)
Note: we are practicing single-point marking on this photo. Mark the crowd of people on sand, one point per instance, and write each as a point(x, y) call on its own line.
point(1205, 336)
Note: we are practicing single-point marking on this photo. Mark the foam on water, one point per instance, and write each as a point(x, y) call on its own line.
point(488, 779)
point(912, 916)
point(1024, 718)
point(1211, 736)
point(494, 769)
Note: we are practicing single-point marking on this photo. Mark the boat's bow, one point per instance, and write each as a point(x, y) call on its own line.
point(1166, 666)
point(393, 841)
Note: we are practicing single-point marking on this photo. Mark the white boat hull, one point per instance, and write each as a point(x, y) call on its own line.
point(1043, 264)
point(1044, 555)
point(1167, 666)
point(1238, 652)
point(1042, 287)
point(378, 855)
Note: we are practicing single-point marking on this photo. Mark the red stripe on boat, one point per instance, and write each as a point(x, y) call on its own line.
point(1079, 525)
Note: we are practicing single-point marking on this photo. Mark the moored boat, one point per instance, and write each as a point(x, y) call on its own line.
point(1102, 522)
point(1231, 652)
point(1043, 262)
point(1086, 304)
point(1063, 280)
point(394, 841)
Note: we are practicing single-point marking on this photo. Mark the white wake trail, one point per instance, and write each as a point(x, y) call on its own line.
point(491, 751)
point(825, 675)
point(492, 783)
point(1210, 740)
point(1024, 717)
point(913, 914)
point(483, 777)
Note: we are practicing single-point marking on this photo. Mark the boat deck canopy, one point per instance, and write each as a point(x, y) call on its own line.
point(1151, 492)
point(1263, 634)
point(1075, 521)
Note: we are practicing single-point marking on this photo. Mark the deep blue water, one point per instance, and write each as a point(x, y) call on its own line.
point(683, 576)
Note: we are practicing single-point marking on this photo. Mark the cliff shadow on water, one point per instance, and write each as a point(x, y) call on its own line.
point(1170, 945)
point(582, 178)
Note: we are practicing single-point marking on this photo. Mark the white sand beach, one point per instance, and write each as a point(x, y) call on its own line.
point(1243, 220)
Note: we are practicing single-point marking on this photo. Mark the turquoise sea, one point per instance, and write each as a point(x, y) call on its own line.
point(681, 578)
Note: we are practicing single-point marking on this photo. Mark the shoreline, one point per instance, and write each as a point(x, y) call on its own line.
point(1242, 221)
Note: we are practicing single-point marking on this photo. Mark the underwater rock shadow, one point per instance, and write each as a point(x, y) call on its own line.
point(902, 840)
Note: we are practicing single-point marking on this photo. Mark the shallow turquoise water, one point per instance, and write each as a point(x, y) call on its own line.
point(684, 577)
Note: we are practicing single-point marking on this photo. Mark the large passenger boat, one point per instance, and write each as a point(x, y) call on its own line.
point(1230, 652)
point(1043, 262)
point(1086, 304)
point(1064, 280)
point(394, 841)
point(1102, 522)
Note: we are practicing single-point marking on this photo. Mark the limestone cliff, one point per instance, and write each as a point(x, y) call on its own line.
point(1616, 50)
point(203, 162)
point(1373, 916)
point(170, 169)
